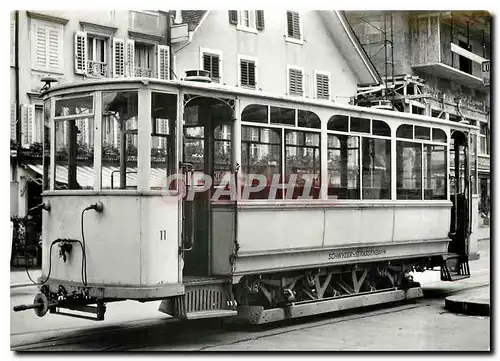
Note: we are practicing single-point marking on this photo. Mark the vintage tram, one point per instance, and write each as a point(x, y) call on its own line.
point(227, 202)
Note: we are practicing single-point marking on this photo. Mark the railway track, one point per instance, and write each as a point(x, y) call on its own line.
point(171, 334)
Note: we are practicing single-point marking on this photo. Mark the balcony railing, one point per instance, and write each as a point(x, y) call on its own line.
point(143, 72)
point(97, 68)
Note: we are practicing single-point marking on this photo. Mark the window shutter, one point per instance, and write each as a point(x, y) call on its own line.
point(233, 17)
point(13, 120)
point(40, 46)
point(260, 19)
point(163, 62)
point(251, 74)
point(54, 48)
point(295, 82)
point(81, 52)
point(12, 43)
point(28, 120)
point(130, 63)
point(37, 125)
point(211, 64)
point(293, 24)
point(247, 69)
point(118, 58)
point(322, 86)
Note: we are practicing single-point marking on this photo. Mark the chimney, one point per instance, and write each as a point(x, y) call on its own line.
point(178, 17)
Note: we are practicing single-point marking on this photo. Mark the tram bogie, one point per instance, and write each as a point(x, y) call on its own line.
point(224, 202)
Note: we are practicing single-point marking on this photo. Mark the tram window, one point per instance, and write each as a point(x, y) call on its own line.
point(284, 116)
point(308, 119)
point(376, 169)
point(255, 113)
point(360, 125)
point(405, 131)
point(409, 170)
point(434, 171)
point(74, 147)
point(261, 154)
point(194, 147)
point(343, 167)
point(119, 140)
point(302, 162)
point(163, 125)
point(46, 143)
point(75, 106)
point(438, 135)
point(222, 152)
point(339, 123)
point(422, 133)
point(381, 128)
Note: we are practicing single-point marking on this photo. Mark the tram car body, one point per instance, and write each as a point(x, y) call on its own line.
point(181, 192)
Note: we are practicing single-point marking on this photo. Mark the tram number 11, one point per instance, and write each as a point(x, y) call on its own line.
point(163, 235)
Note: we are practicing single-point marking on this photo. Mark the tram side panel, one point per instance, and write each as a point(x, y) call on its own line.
point(422, 222)
point(297, 238)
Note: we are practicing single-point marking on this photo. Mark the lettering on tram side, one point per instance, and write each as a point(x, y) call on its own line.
point(358, 253)
point(163, 235)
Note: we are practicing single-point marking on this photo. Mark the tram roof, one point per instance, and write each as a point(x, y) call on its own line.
point(236, 91)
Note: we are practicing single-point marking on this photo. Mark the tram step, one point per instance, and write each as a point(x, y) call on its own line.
point(454, 268)
point(210, 314)
point(458, 277)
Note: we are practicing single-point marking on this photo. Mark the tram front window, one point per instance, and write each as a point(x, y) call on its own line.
point(119, 140)
point(74, 143)
point(163, 118)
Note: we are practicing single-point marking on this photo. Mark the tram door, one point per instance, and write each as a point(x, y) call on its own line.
point(207, 147)
point(460, 196)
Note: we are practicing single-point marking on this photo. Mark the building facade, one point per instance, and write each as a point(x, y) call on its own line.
point(437, 64)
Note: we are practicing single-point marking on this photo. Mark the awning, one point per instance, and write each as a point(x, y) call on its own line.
point(110, 175)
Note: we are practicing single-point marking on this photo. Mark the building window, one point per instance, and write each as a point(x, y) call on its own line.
point(464, 63)
point(484, 146)
point(248, 73)
point(143, 60)
point(47, 46)
point(246, 20)
point(211, 60)
point(322, 85)
point(295, 81)
point(97, 56)
point(294, 26)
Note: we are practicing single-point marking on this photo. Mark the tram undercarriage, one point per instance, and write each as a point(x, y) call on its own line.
point(273, 297)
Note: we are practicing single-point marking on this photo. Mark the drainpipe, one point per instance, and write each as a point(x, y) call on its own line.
point(16, 67)
point(168, 37)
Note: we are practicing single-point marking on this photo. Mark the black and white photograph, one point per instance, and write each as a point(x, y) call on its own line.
point(250, 180)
